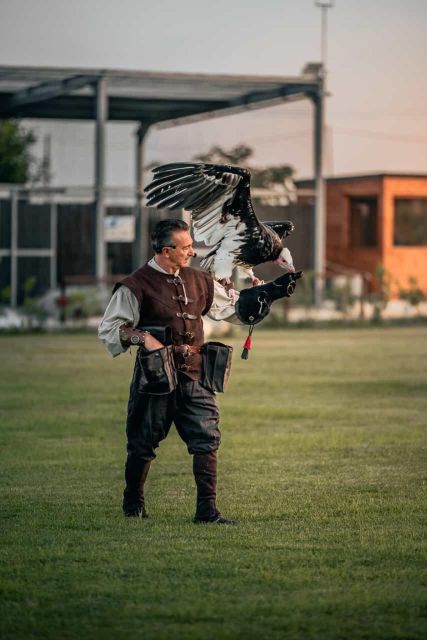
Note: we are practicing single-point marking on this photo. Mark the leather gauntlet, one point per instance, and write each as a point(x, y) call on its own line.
point(130, 336)
point(254, 304)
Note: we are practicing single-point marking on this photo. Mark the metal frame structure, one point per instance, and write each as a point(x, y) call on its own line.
point(16, 252)
point(52, 197)
point(162, 100)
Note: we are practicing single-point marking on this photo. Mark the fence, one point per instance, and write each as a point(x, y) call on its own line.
point(49, 235)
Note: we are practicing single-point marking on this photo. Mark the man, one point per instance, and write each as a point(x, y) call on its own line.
point(166, 292)
point(159, 307)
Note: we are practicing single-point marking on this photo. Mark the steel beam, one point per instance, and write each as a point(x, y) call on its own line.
point(238, 106)
point(139, 254)
point(47, 90)
point(101, 100)
point(284, 92)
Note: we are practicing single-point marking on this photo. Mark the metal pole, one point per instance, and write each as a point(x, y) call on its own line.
point(139, 254)
point(319, 133)
point(319, 208)
point(14, 249)
point(53, 244)
point(324, 5)
point(101, 121)
point(324, 34)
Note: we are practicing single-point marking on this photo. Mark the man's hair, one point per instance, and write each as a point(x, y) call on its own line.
point(162, 233)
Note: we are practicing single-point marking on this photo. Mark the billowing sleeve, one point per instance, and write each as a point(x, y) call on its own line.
point(223, 305)
point(123, 307)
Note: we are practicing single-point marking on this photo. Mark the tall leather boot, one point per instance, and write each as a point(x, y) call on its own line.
point(205, 472)
point(136, 472)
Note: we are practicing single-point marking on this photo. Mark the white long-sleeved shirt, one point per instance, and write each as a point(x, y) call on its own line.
point(123, 307)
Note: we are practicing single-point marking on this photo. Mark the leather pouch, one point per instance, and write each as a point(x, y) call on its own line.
point(156, 372)
point(216, 365)
point(163, 334)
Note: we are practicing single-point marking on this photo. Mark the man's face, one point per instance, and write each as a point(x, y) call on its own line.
point(182, 251)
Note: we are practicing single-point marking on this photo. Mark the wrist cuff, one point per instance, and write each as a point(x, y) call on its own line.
point(130, 336)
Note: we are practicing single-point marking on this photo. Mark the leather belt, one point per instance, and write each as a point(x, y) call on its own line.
point(186, 348)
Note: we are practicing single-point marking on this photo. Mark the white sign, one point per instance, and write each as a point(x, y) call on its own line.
point(119, 228)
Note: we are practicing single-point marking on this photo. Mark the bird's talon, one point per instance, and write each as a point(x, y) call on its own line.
point(226, 283)
point(233, 295)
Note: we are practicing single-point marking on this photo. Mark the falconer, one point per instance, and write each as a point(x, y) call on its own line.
point(169, 298)
point(159, 308)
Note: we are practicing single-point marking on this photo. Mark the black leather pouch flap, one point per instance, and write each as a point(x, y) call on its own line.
point(163, 334)
point(156, 372)
point(216, 365)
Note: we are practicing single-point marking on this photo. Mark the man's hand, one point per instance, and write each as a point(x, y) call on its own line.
point(152, 343)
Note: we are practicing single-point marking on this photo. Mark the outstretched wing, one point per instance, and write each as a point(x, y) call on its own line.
point(214, 194)
point(283, 229)
point(219, 199)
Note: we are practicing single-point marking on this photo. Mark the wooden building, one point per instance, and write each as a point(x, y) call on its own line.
point(378, 220)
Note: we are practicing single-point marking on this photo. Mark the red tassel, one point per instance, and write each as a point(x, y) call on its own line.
point(248, 344)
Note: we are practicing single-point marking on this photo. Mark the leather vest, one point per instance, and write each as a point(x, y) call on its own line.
point(178, 302)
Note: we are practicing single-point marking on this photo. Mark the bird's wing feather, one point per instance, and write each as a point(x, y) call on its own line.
point(206, 190)
point(218, 197)
point(283, 228)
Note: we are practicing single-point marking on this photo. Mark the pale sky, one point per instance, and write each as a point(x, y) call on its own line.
point(377, 76)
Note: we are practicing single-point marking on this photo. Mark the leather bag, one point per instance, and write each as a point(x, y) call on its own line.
point(216, 365)
point(155, 371)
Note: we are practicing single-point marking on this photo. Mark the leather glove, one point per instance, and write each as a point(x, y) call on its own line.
point(254, 304)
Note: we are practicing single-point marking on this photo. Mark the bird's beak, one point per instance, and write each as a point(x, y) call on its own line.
point(284, 265)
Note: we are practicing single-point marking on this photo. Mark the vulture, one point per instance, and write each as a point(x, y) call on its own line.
point(219, 199)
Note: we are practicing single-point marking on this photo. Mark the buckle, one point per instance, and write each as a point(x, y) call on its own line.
point(175, 281)
point(182, 349)
point(181, 298)
point(187, 335)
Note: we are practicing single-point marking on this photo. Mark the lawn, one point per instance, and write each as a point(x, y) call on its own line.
point(323, 461)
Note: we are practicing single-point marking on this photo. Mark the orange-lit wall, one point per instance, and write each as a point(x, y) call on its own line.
point(400, 262)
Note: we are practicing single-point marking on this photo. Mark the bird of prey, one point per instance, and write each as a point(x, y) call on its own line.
point(219, 199)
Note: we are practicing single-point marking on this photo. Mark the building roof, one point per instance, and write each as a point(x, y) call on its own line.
point(306, 183)
point(150, 97)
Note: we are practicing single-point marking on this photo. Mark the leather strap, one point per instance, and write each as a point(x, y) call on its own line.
point(186, 348)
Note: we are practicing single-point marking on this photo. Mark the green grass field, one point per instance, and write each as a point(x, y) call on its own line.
point(323, 461)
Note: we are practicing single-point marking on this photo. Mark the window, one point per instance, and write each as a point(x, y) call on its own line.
point(33, 226)
point(29, 268)
point(410, 221)
point(363, 222)
point(5, 224)
point(76, 240)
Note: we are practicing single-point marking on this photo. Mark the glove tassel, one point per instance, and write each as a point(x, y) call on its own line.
point(248, 344)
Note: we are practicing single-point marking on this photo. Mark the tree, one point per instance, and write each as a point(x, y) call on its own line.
point(17, 164)
point(238, 155)
point(276, 181)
